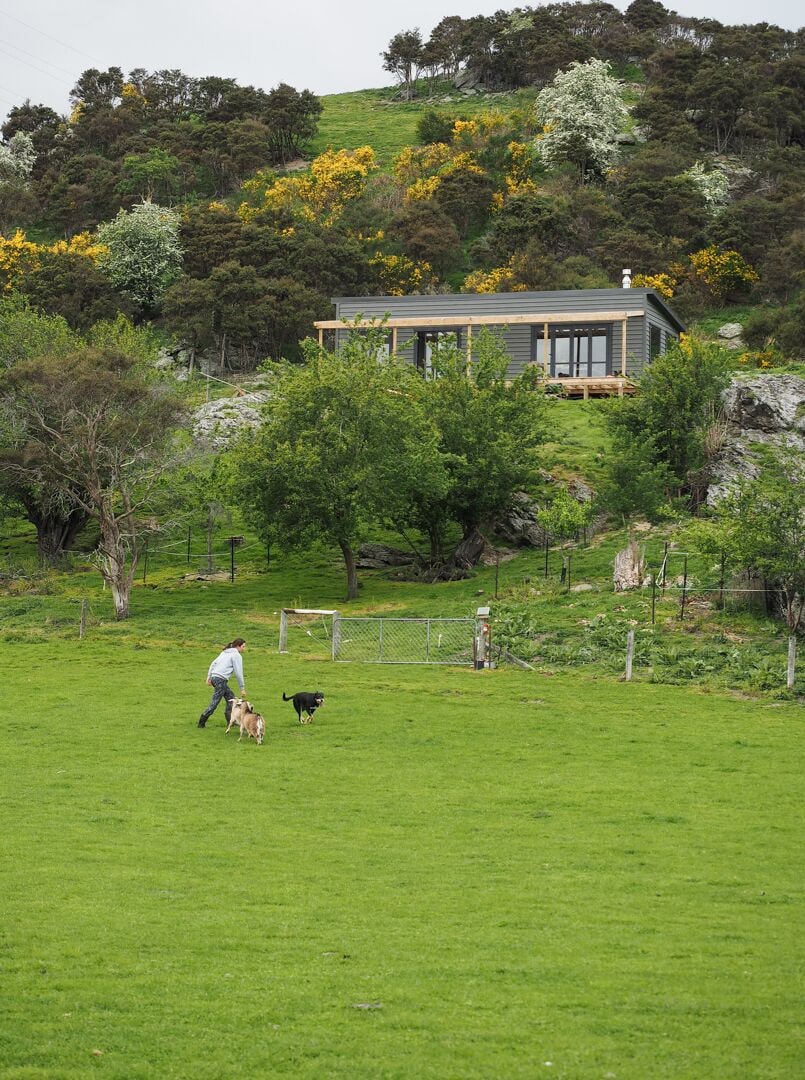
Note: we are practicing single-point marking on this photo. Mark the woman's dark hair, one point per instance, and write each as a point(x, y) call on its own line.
point(234, 644)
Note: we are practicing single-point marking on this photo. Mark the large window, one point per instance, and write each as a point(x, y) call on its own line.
point(654, 341)
point(574, 351)
point(426, 342)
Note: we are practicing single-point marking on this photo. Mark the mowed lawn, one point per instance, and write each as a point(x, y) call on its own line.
point(448, 874)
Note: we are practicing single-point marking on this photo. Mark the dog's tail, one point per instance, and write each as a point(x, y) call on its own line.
point(284, 698)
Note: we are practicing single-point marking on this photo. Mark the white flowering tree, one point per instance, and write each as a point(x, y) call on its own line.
point(581, 112)
point(17, 158)
point(143, 252)
point(713, 186)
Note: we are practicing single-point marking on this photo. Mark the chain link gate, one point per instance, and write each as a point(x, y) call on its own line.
point(406, 641)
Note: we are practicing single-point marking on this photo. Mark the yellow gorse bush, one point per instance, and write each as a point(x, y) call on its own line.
point(335, 177)
point(498, 279)
point(399, 275)
point(665, 284)
point(19, 256)
point(722, 271)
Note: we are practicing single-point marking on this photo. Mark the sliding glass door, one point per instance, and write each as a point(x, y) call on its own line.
point(574, 351)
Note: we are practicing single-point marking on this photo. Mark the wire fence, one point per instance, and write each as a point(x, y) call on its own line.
point(677, 615)
point(406, 641)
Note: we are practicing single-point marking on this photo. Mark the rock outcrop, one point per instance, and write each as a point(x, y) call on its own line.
point(217, 423)
point(379, 556)
point(767, 410)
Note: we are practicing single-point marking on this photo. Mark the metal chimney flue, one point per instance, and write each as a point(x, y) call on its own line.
point(627, 279)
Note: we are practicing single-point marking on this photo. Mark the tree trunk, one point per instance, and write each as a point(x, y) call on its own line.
point(55, 535)
point(352, 571)
point(470, 549)
point(56, 529)
point(118, 564)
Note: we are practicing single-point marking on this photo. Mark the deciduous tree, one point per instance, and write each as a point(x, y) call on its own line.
point(143, 252)
point(93, 426)
point(344, 443)
point(581, 112)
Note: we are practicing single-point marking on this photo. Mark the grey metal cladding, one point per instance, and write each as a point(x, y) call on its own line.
point(461, 304)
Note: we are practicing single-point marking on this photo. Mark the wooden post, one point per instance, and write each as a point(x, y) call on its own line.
point(653, 597)
point(82, 626)
point(321, 338)
point(394, 341)
point(792, 662)
point(684, 589)
point(623, 355)
point(469, 346)
point(721, 583)
point(545, 358)
point(664, 567)
point(629, 654)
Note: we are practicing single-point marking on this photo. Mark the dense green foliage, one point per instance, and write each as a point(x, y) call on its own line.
point(698, 189)
point(664, 434)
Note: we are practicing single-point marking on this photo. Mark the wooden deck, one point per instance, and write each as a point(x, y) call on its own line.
point(587, 388)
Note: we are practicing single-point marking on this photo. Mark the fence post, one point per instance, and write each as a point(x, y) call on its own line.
point(629, 654)
point(427, 642)
point(653, 596)
point(380, 641)
point(83, 622)
point(684, 589)
point(664, 566)
point(792, 662)
point(336, 634)
point(721, 583)
point(283, 645)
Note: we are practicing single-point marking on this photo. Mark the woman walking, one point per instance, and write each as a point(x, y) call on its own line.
point(227, 662)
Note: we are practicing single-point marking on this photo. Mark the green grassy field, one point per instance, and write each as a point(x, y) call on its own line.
point(449, 874)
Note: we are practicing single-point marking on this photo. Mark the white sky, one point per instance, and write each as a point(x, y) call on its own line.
point(320, 45)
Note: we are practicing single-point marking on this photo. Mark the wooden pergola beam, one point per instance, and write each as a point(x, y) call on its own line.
point(451, 321)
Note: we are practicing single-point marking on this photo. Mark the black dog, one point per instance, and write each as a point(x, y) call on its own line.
point(307, 704)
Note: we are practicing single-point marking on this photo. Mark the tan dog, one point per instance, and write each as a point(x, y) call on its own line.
point(247, 719)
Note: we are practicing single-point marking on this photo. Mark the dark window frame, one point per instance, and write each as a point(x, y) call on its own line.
point(420, 337)
point(569, 331)
point(656, 344)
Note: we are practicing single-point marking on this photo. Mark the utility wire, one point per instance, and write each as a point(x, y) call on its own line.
point(39, 59)
point(35, 67)
point(36, 30)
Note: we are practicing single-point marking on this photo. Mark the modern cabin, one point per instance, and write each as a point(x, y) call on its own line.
point(588, 341)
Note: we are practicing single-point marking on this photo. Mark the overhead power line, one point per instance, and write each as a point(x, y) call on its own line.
point(39, 59)
point(58, 41)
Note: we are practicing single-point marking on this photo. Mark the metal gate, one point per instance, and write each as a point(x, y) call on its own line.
point(405, 641)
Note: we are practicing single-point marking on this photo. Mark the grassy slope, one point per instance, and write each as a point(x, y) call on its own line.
point(515, 870)
point(373, 117)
